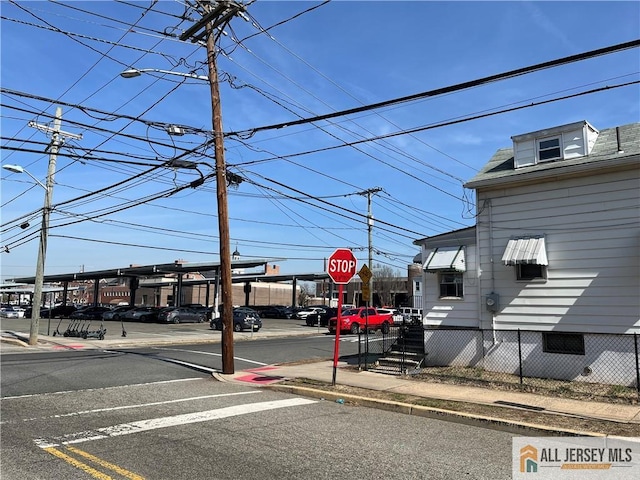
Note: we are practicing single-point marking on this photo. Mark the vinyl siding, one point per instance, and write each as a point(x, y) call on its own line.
point(592, 230)
point(453, 312)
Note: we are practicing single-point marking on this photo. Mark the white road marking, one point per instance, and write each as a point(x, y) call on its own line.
point(164, 422)
point(126, 407)
point(210, 353)
point(65, 392)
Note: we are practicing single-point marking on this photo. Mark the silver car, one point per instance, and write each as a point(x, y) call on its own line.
point(181, 314)
point(8, 312)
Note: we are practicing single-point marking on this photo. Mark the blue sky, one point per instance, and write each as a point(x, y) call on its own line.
point(293, 206)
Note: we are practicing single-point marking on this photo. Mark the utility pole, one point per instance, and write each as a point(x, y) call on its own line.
point(215, 15)
point(57, 139)
point(368, 193)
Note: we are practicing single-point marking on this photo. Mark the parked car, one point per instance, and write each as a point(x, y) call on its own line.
point(181, 314)
point(89, 313)
point(322, 316)
point(8, 312)
point(116, 313)
point(413, 315)
point(303, 314)
point(141, 314)
point(243, 319)
point(207, 311)
point(398, 318)
point(356, 319)
point(60, 311)
point(277, 311)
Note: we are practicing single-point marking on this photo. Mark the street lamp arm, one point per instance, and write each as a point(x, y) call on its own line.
point(136, 72)
point(19, 169)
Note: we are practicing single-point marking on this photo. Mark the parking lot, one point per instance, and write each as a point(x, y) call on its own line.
point(114, 328)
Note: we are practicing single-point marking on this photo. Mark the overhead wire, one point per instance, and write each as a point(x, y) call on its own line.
point(447, 89)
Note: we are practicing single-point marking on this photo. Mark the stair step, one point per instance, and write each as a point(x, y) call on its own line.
point(388, 362)
point(386, 370)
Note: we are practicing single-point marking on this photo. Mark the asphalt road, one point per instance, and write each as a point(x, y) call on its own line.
point(197, 428)
point(156, 413)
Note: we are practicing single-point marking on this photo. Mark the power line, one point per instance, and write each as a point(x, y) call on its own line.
point(452, 88)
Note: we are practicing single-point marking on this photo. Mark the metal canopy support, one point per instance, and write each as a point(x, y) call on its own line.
point(178, 300)
point(293, 292)
point(96, 291)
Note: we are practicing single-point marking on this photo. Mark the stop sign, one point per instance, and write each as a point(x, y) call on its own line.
point(342, 266)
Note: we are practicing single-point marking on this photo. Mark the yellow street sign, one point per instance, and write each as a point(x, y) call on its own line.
point(366, 292)
point(365, 274)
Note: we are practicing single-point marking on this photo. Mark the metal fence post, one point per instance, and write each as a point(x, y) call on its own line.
point(359, 351)
point(635, 342)
point(520, 355)
point(403, 332)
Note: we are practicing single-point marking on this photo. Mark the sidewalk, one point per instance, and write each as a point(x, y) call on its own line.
point(322, 371)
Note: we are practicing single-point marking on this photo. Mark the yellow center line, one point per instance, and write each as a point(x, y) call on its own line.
point(72, 461)
point(90, 470)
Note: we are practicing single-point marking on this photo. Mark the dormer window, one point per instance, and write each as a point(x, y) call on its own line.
point(549, 149)
point(558, 143)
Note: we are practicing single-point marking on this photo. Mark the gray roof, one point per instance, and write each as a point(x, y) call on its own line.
point(462, 236)
point(500, 168)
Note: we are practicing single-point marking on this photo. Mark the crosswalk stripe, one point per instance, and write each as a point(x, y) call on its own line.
point(164, 422)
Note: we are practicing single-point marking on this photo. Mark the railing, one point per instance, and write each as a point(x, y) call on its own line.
point(375, 344)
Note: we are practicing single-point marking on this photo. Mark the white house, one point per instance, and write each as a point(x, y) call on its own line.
point(556, 255)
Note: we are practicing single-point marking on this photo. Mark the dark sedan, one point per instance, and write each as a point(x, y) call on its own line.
point(60, 311)
point(322, 315)
point(89, 313)
point(243, 319)
point(277, 311)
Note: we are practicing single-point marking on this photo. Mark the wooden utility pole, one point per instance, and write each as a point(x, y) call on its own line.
point(216, 15)
point(368, 193)
point(57, 138)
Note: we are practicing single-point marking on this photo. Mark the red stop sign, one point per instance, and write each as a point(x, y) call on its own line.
point(342, 266)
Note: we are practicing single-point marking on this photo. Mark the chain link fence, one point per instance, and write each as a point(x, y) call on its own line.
point(572, 364)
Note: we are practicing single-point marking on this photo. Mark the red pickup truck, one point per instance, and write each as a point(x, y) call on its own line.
point(355, 319)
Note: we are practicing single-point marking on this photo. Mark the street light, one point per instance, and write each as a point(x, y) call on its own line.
point(19, 169)
point(36, 301)
point(136, 72)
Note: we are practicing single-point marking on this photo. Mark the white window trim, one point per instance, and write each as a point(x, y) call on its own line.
point(560, 147)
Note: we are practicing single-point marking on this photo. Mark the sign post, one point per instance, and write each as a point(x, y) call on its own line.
point(341, 269)
point(365, 275)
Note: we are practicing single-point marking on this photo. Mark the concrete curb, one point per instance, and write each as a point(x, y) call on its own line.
point(14, 341)
point(428, 412)
point(418, 410)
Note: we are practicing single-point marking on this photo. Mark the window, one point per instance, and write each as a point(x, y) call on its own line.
point(530, 271)
point(569, 343)
point(417, 287)
point(451, 284)
point(549, 149)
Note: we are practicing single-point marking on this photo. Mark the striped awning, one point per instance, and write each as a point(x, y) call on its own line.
point(446, 258)
point(525, 250)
